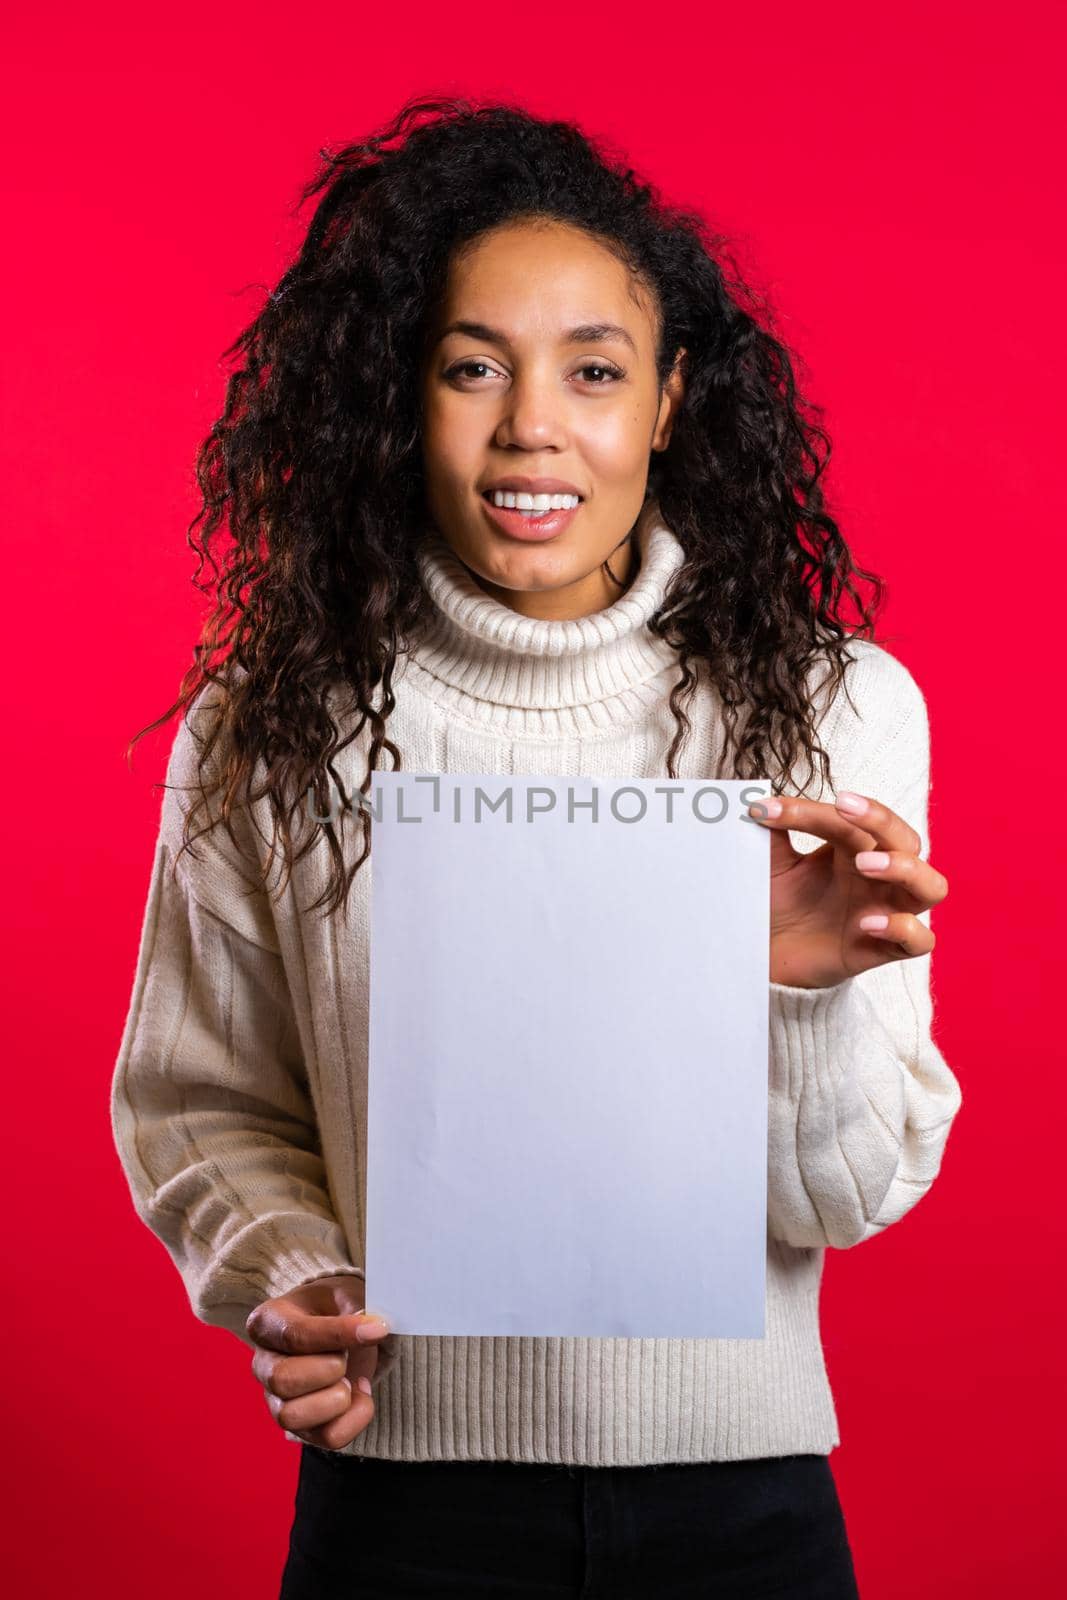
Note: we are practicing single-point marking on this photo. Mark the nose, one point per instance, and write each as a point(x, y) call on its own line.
point(532, 415)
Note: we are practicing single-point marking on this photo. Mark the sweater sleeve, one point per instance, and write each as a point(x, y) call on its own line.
point(861, 1098)
point(210, 1109)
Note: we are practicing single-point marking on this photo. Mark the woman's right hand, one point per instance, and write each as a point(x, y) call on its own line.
point(317, 1351)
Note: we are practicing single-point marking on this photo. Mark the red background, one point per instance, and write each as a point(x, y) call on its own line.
point(889, 181)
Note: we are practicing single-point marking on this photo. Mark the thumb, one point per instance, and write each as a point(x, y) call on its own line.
point(312, 1319)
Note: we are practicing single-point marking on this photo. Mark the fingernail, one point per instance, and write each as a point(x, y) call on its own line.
point(872, 860)
point(372, 1325)
point(855, 804)
point(364, 1384)
point(768, 808)
point(872, 922)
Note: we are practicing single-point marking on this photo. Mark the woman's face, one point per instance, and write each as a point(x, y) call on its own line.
point(541, 364)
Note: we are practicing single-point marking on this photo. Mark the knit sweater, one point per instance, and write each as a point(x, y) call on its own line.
point(239, 1096)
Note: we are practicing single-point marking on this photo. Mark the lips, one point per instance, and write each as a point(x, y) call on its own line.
point(531, 529)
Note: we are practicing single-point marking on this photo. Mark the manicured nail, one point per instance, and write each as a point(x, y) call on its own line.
point(872, 860)
point(872, 922)
point(367, 1332)
point(768, 808)
point(364, 1384)
point(854, 804)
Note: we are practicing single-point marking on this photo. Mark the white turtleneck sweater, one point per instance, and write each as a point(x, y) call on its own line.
point(238, 1099)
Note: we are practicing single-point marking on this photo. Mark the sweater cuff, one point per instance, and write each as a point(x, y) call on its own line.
point(288, 1269)
point(810, 1033)
point(301, 1265)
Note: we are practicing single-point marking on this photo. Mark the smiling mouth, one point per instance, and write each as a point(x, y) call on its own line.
point(542, 524)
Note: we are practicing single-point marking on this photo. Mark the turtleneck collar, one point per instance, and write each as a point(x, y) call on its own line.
point(495, 665)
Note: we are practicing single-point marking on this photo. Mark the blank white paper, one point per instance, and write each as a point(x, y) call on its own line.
point(567, 1091)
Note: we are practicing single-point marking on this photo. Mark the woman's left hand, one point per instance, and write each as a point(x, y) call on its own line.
point(821, 902)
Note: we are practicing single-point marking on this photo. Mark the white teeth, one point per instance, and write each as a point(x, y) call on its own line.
point(534, 503)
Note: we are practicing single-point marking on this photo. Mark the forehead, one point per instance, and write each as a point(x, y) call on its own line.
point(540, 280)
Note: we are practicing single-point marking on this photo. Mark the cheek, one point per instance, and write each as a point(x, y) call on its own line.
point(616, 442)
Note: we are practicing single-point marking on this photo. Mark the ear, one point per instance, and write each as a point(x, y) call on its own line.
point(673, 391)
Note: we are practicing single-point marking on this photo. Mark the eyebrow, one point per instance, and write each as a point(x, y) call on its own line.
point(585, 333)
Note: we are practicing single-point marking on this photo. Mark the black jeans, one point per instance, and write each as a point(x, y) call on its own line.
point(371, 1529)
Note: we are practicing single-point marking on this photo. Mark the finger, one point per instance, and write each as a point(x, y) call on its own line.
point(888, 830)
point(290, 1376)
point(901, 928)
point(282, 1325)
point(361, 1367)
point(309, 1411)
point(341, 1430)
point(817, 817)
point(923, 882)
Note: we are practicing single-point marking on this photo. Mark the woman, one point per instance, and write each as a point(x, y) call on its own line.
point(485, 307)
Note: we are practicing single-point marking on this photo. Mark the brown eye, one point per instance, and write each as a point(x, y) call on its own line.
point(614, 373)
point(465, 366)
